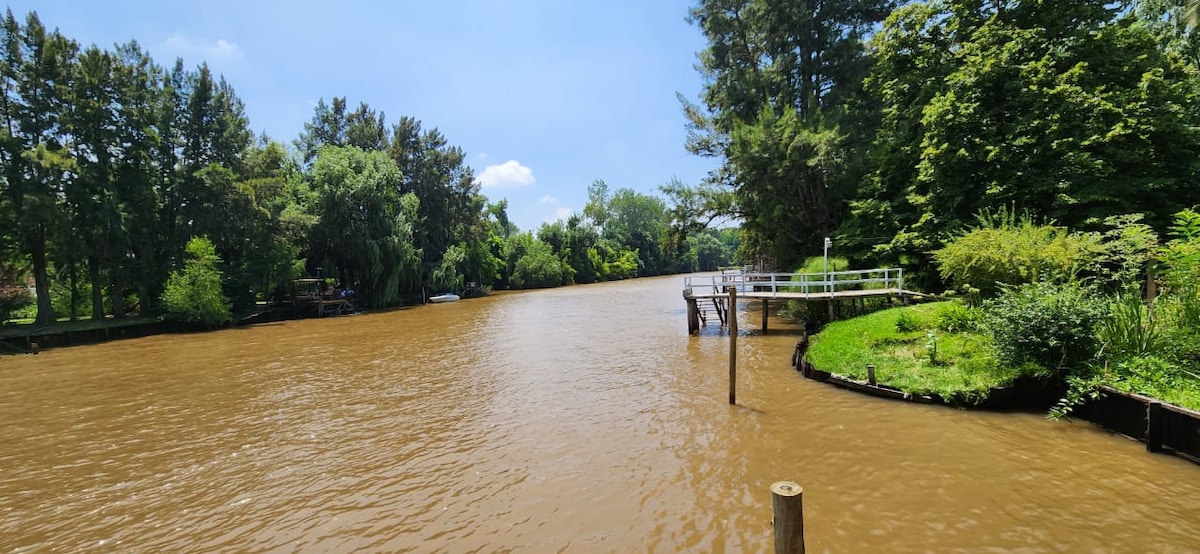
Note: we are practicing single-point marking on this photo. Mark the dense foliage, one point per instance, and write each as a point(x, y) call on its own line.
point(890, 126)
point(110, 164)
point(1004, 250)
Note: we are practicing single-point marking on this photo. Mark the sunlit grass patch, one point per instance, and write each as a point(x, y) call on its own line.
point(911, 354)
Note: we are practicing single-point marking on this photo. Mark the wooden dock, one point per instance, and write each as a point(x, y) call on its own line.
point(708, 295)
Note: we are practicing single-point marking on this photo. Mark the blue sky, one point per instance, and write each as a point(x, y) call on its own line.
point(543, 96)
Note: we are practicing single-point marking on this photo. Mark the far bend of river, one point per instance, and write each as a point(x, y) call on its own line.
point(581, 419)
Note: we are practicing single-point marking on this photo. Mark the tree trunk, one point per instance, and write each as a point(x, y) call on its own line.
point(73, 310)
point(97, 287)
point(41, 276)
point(116, 291)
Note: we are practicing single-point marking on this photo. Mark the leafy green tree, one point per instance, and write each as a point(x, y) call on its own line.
point(34, 89)
point(193, 294)
point(434, 171)
point(783, 83)
point(640, 222)
point(538, 267)
point(1072, 111)
point(366, 225)
point(133, 258)
point(709, 252)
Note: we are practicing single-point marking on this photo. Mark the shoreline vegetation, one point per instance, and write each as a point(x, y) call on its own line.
point(915, 350)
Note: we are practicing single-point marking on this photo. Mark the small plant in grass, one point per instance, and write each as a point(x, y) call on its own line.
point(955, 317)
point(907, 322)
point(931, 346)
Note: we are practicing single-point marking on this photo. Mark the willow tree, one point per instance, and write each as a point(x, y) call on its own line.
point(366, 224)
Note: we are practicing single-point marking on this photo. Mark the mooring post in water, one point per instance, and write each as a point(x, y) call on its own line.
point(693, 315)
point(765, 310)
point(787, 505)
point(732, 317)
point(871, 373)
point(1154, 426)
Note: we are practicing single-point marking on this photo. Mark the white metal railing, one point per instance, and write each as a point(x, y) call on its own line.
point(807, 283)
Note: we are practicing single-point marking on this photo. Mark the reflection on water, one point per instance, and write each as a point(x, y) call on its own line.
point(581, 419)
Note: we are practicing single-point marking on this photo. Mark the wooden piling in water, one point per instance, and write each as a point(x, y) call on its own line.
point(787, 505)
point(731, 316)
point(764, 315)
point(693, 315)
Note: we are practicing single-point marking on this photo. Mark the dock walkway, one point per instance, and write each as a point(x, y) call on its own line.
point(698, 291)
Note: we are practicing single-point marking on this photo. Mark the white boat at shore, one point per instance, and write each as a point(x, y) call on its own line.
point(444, 297)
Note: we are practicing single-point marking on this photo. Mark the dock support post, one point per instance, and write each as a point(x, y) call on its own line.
point(871, 373)
point(693, 316)
point(764, 315)
point(1154, 426)
point(731, 317)
point(787, 505)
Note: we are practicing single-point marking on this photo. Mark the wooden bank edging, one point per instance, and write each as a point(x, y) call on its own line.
point(1163, 427)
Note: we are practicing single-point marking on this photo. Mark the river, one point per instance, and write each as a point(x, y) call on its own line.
point(581, 419)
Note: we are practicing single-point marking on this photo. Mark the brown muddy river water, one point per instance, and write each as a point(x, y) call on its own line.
point(581, 419)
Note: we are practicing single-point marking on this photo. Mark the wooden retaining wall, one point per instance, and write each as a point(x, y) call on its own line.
point(1163, 427)
point(55, 338)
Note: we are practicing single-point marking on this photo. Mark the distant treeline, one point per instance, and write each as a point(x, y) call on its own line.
point(113, 163)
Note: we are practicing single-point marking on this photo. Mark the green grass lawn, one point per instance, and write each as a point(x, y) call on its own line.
point(919, 359)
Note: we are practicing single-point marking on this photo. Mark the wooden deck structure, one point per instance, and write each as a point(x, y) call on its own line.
point(308, 297)
point(708, 295)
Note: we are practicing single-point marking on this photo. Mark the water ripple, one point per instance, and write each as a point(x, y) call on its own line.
point(579, 419)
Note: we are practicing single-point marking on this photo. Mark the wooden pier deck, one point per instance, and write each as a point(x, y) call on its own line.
point(700, 291)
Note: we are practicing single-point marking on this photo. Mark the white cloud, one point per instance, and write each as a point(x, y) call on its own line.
point(181, 45)
point(506, 175)
point(562, 214)
point(548, 200)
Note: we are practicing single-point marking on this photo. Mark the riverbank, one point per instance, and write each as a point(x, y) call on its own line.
point(907, 354)
point(31, 338)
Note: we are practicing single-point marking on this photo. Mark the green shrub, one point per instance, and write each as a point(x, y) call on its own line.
point(1181, 346)
point(1003, 250)
point(538, 268)
point(1049, 325)
point(193, 294)
point(955, 317)
point(907, 322)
